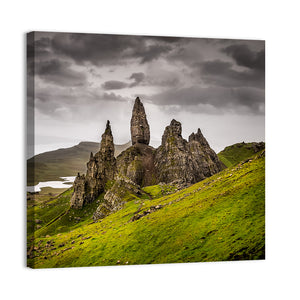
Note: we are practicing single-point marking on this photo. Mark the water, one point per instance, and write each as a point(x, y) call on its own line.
point(66, 182)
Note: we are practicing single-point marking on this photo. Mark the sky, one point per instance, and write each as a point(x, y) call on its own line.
point(79, 81)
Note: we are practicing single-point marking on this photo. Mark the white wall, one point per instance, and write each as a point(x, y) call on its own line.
point(278, 274)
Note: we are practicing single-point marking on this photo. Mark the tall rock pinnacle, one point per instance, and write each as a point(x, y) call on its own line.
point(139, 127)
point(107, 147)
point(100, 169)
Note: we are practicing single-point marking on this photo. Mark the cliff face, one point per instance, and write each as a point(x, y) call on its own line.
point(176, 161)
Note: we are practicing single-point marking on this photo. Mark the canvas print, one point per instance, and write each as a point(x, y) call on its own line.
point(144, 150)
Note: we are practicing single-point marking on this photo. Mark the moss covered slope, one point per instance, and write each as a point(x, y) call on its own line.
point(236, 153)
point(220, 218)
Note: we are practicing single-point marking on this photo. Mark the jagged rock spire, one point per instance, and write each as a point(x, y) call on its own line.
point(107, 142)
point(139, 127)
point(172, 136)
point(100, 169)
point(173, 130)
point(198, 137)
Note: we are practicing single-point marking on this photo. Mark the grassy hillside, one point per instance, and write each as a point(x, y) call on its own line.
point(220, 218)
point(236, 153)
point(63, 162)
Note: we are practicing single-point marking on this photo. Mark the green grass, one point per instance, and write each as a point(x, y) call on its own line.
point(220, 218)
point(55, 216)
point(44, 211)
point(236, 153)
point(159, 190)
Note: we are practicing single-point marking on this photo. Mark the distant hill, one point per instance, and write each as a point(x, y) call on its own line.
point(63, 162)
point(234, 154)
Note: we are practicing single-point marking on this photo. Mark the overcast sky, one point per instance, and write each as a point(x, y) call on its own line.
point(82, 80)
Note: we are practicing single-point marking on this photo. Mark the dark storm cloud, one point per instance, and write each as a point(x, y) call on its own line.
point(110, 49)
point(141, 79)
point(63, 102)
point(96, 49)
point(42, 46)
point(39, 48)
point(152, 52)
point(167, 39)
point(245, 57)
point(36, 50)
point(232, 71)
point(244, 99)
point(80, 80)
point(114, 85)
point(137, 77)
point(60, 73)
point(221, 73)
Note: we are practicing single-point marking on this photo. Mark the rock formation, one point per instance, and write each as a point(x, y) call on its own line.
point(172, 157)
point(100, 169)
point(137, 164)
point(122, 191)
point(176, 161)
point(139, 127)
point(78, 196)
point(204, 160)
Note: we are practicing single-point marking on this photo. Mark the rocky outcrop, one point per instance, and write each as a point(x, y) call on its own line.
point(137, 164)
point(171, 158)
point(139, 127)
point(258, 146)
point(78, 196)
point(100, 169)
point(122, 191)
point(205, 161)
point(176, 161)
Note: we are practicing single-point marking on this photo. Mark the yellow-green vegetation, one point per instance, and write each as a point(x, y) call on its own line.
point(45, 194)
point(220, 218)
point(236, 153)
point(159, 190)
point(55, 215)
